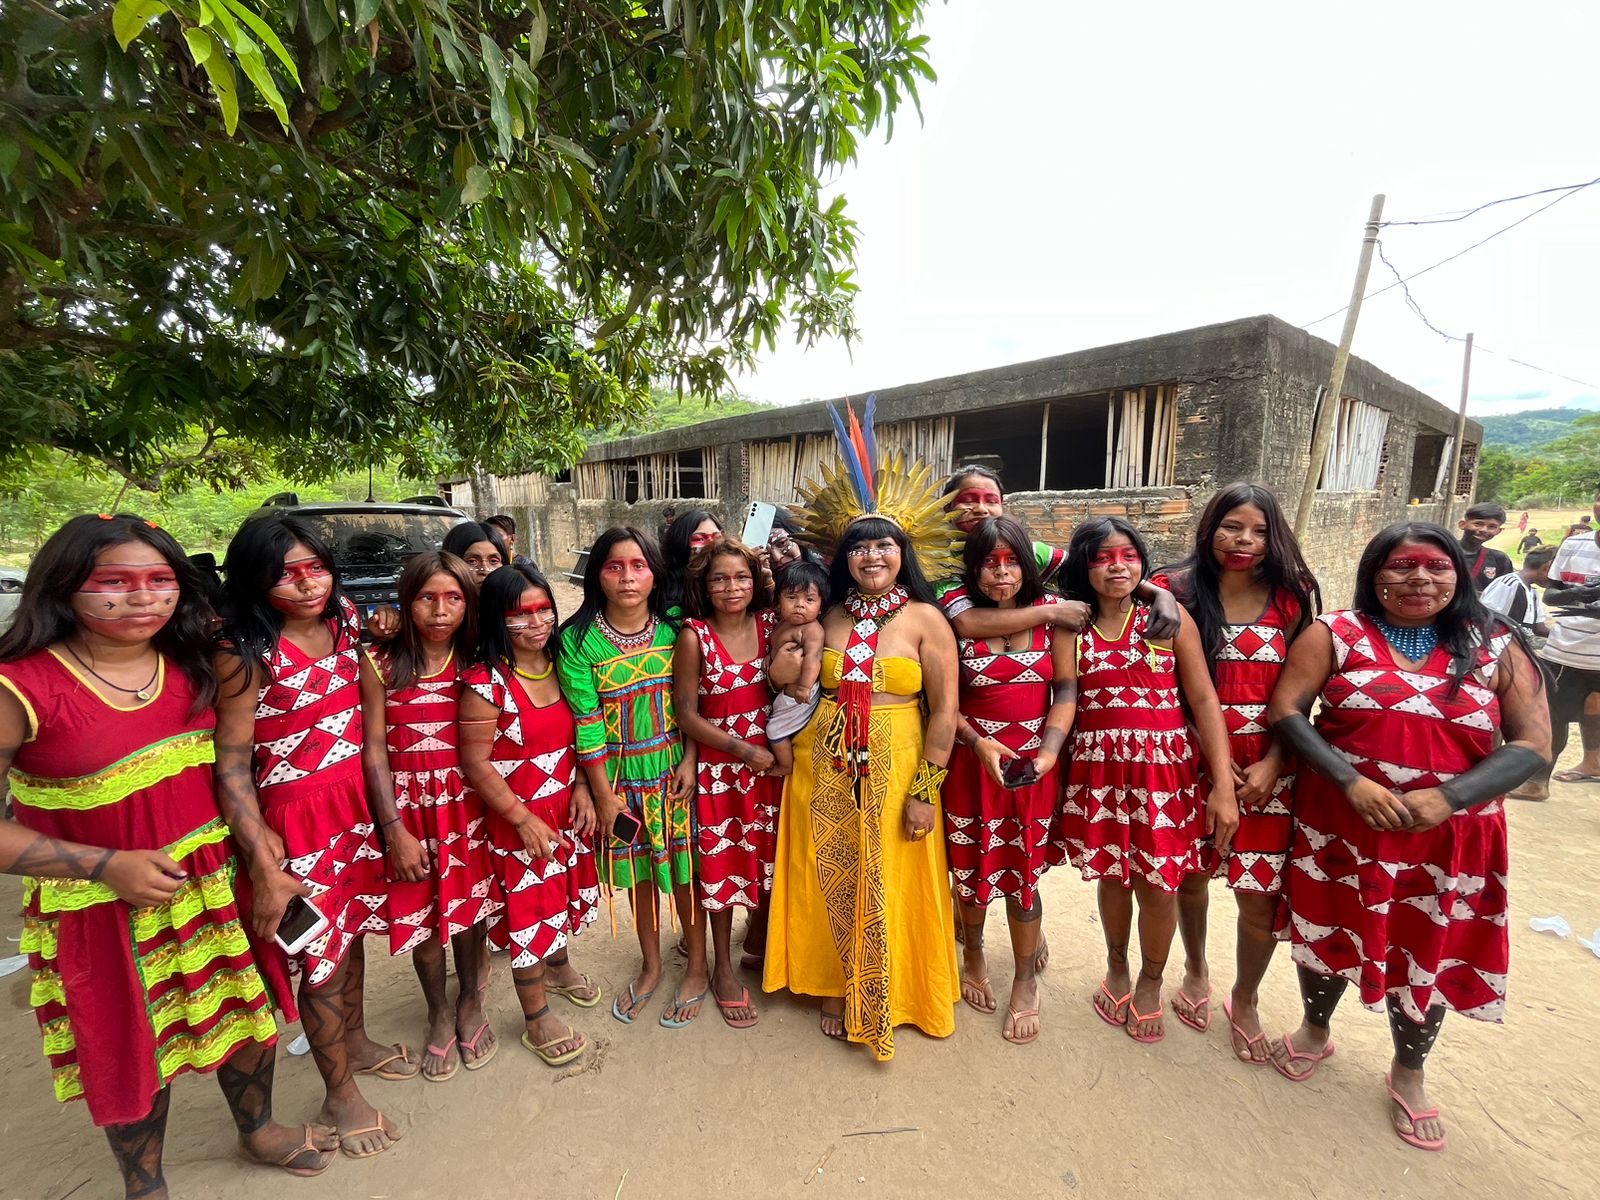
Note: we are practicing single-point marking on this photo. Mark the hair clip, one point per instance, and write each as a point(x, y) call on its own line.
point(105, 516)
point(152, 525)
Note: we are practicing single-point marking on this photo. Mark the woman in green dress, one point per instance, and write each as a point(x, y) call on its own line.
point(615, 668)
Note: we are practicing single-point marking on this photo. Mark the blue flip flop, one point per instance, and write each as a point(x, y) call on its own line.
point(635, 1003)
point(677, 1005)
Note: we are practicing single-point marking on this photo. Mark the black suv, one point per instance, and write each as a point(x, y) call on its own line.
point(372, 539)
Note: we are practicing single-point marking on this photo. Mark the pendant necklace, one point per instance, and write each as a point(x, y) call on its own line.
point(139, 693)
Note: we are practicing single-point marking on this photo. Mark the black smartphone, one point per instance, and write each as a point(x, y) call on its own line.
point(627, 827)
point(1019, 772)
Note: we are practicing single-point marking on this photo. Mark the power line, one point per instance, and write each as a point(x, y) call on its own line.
point(1451, 218)
point(1435, 266)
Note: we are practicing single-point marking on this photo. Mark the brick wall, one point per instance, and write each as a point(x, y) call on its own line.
point(1342, 523)
point(1164, 516)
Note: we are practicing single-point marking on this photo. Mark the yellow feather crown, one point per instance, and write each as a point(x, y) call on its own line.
point(907, 494)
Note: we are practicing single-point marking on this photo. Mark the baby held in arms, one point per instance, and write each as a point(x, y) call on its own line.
point(794, 659)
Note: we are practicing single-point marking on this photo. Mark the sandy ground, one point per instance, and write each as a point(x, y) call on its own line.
point(778, 1111)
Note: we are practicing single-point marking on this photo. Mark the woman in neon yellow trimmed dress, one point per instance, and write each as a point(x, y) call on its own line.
point(615, 668)
point(141, 967)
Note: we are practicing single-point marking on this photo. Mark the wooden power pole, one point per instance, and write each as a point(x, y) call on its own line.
point(1322, 433)
point(1461, 433)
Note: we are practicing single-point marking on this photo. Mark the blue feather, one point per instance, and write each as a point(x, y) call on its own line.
point(853, 467)
point(869, 427)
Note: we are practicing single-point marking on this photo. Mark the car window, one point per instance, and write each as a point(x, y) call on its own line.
point(378, 540)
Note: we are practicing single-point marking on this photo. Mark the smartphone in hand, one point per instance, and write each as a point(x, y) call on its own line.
point(627, 827)
point(1019, 773)
point(302, 922)
point(758, 525)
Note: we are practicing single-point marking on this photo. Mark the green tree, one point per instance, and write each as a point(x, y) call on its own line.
point(300, 236)
point(1497, 467)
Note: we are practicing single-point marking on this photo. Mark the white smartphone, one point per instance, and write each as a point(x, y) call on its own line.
point(758, 525)
point(302, 922)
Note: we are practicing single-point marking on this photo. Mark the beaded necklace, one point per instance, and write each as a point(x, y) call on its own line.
point(1416, 643)
point(627, 641)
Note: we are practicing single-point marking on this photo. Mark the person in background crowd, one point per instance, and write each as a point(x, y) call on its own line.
point(1017, 697)
point(506, 524)
point(860, 908)
point(517, 748)
point(303, 779)
point(688, 533)
point(722, 694)
point(784, 545)
point(106, 727)
point(1530, 541)
point(421, 671)
point(1514, 595)
point(1522, 523)
point(1250, 592)
point(1397, 876)
point(480, 546)
point(615, 667)
point(1481, 525)
point(1132, 819)
point(1571, 658)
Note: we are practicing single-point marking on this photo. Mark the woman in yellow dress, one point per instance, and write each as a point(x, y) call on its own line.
point(861, 895)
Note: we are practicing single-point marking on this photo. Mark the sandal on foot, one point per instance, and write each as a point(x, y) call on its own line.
point(1009, 1031)
point(347, 1136)
point(1301, 1056)
point(1133, 1011)
point(1427, 1114)
point(470, 1045)
point(446, 1053)
point(842, 1036)
point(402, 1054)
point(635, 1003)
point(1193, 1019)
point(669, 1017)
point(1119, 1017)
point(726, 1006)
point(571, 990)
point(980, 986)
point(1574, 775)
point(1235, 1033)
point(307, 1146)
point(543, 1049)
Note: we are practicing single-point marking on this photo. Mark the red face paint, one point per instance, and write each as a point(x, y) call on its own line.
point(703, 537)
point(1405, 563)
point(1108, 556)
point(533, 619)
point(127, 600)
point(1000, 560)
point(439, 608)
point(115, 578)
point(302, 590)
point(973, 503)
point(1239, 562)
point(301, 569)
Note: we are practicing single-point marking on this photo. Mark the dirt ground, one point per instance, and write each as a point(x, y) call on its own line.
point(1084, 1113)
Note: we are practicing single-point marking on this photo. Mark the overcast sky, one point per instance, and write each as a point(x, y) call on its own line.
point(1090, 173)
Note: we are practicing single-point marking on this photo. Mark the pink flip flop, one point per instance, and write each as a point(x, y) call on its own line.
point(1196, 1022)
point(727, 1006)
point(1427, 1114)
point(1300, 1056)
point(1235, 1033)
point(1147, 1039)
point(1116, 1006)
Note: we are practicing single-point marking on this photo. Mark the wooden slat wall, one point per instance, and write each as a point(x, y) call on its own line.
point(1137, 457)
point(1357, 448)
point(778, 468)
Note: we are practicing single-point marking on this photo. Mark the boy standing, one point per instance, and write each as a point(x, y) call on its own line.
point(1481, 525)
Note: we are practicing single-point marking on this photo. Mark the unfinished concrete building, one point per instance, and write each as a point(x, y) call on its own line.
point(1147, 429)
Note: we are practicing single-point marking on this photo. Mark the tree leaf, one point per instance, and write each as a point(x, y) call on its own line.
point(201, 44)
point(268, 38)
point(538, 32)
point(130, 17)
point(479, 183)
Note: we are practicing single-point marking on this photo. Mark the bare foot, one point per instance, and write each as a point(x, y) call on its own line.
point(298, 1149)
point(1114, 1007)
point(1531, 791)
point(725, 986)
point(833, 1018)
point(1192, 1001)
point(1041, 956)
point(565, 975)
point(1309, 1046)
point(975, 989)
point(1424, 1123)
point(471, 1023)
point(363, 1130)
point(1245, 1032)
point(546, 1028)
point(1146, 1020)
point(1022, 1011)
point(439, 1053)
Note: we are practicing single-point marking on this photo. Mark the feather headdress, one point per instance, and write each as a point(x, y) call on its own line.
point(861, 484)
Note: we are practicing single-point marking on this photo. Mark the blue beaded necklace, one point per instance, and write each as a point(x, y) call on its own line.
point(1415, 643)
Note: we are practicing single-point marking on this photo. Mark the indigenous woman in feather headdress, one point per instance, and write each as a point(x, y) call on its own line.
point(860, 909)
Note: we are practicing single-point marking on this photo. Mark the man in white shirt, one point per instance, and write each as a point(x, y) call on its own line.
point(1514, 596)
point(1571, 658)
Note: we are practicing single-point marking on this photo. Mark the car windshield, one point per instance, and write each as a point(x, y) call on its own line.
point(375, 544)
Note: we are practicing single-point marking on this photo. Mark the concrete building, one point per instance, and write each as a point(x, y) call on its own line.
point(1147, 429)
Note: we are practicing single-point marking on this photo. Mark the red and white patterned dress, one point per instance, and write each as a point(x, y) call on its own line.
point(997, 835)
point(1246, 670)
point(1131, 807)
point(547, 902)
point(736, 810)
point(438, 809)
point(308, 777)
point(1419, 917)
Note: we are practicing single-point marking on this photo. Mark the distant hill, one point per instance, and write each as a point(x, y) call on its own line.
point(1532, 429)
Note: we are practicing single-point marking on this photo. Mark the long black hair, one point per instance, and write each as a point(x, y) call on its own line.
point(1086, 542)
point(45, 614)
point(499, 595)
point(594, 596)
point(1464, 624)
point(981, 542)
point(676, 552)
point(783, 519)
point(873, 529)
point(960, 473)
point(253, 566)
point(403, 657)
point(1197, 578)
point(469, 533)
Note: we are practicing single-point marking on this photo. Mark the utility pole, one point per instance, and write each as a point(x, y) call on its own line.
point(1322, 433)
point(1461, 432)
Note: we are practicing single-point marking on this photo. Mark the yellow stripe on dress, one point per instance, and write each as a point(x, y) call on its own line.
point(75, 895)
point(200, 1053)
point(141, 769)
point(204, 1002)
point(194, 956)
point(207, 893)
